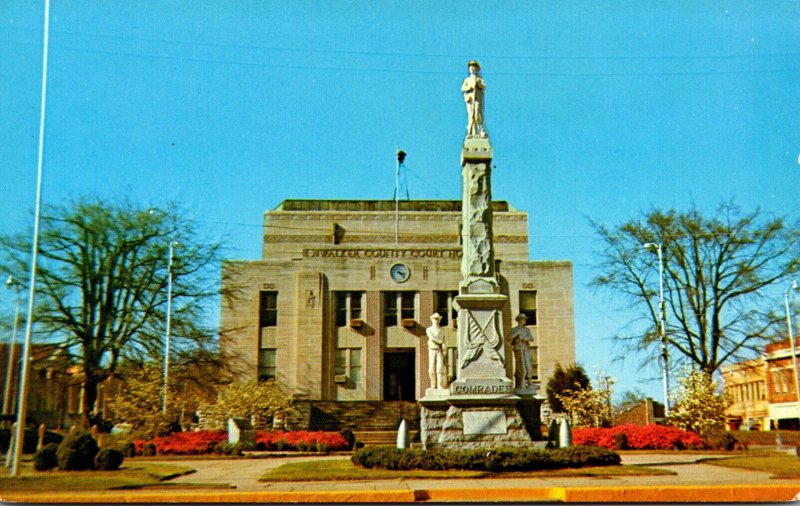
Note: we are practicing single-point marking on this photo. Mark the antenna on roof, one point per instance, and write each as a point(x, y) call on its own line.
point(401, 157)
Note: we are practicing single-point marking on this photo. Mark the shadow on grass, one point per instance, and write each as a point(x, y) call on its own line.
point(783, 467)
point(346, 470)
point(130, 476)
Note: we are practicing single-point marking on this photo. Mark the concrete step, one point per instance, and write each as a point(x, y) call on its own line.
point(363, 415)
point(377, 438)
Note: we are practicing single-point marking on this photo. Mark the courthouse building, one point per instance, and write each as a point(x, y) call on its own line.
point(336, 309)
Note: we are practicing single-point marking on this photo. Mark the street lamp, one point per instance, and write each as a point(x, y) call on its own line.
point(791, 340)
point(169, 318)
point(14, 284)
point(662, 331)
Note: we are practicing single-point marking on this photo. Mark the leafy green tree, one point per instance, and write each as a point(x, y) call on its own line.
point(699, 405)
point(589, 407)
point(137, 401)
point(136, 395)
point(261, 401)
point(573, 378)
point(717, 271)
point(102, 285)
point(631, 398)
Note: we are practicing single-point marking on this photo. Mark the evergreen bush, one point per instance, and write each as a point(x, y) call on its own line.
point(77, 452)
point(499, 460)
point(620, 441)
point(348, 436)
point(108, 459)
point(46, 458)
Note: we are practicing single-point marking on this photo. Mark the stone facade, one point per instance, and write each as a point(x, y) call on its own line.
point(337, 307)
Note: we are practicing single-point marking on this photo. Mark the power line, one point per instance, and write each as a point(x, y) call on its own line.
point(726, 56)
point(405, 70)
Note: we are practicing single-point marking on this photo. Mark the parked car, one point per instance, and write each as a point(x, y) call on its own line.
point(31, 434)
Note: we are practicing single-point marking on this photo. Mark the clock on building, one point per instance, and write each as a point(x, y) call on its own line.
point(400, 273)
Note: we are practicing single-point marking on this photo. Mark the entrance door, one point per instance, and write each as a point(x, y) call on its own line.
point(398, 376)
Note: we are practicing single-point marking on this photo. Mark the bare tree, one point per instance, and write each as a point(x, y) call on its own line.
point(717, 275)
point(102, 286)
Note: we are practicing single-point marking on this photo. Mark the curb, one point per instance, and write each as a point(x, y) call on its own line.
point(674, 494)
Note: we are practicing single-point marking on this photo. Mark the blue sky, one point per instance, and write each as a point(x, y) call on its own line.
point(595, 110)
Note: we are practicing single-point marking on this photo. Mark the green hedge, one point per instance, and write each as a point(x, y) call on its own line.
point(502, 459)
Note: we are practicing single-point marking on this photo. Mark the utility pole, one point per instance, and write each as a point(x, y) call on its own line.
point(14, 285)
point(661, 327)
point(169, 322)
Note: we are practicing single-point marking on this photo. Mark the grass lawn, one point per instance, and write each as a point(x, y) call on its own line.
point(346, 470)
point(131, 475)
point(781, 466)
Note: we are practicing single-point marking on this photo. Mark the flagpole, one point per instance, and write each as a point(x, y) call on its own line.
point(397, 200)
point(19, 436)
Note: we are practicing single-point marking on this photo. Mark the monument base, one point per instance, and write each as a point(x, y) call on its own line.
point(478, 422)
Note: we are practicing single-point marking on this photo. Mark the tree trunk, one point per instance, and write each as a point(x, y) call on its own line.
point(89, 399)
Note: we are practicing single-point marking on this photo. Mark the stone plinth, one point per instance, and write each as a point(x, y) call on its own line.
point(471, 424)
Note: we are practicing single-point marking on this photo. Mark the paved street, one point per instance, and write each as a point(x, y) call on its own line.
point(236, 480)
point(243, 475)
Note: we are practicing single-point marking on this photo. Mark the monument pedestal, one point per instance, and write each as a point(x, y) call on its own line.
point(472, 423)
point(480, 410)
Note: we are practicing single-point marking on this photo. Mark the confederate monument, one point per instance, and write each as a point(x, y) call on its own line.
point(480, 409)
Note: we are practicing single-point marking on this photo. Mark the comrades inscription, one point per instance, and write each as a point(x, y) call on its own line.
point(478, 389)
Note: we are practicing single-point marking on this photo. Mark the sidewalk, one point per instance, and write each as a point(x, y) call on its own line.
point(694, 482)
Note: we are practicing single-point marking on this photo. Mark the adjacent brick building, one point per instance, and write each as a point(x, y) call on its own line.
point(763, 391)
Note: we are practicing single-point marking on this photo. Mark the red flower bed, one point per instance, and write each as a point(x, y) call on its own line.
point(300, 440)
point(184, 443)
point(639, 437)
point(205, 441)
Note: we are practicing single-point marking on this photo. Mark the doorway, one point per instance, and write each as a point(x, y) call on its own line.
point(399, 371)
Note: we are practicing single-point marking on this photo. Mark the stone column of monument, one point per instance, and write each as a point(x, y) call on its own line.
point(480, 409)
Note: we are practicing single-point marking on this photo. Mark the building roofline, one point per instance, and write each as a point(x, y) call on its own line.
point(382, 205)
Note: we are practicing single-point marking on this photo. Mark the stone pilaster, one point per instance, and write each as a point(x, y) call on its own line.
point(373, 373)
point(310, 312)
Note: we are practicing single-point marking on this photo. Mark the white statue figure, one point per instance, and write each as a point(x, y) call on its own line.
point(473, 87)
point(521, 339)
point(437, 358)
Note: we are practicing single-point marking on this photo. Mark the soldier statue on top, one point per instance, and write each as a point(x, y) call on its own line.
point(473, 87)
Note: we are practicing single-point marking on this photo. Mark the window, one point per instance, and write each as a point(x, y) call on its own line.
point(527, 305)
point(398, 306)
point(267, 362)
point(444, 306)
point(348, 363)
point(348, 307)
point(268, 309)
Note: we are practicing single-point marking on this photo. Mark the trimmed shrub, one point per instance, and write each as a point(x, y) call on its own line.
point(148, 449)
point(129, 449)
point(620, 441)
point(721, 441)
point(499, 460)
point(108, 459)
point(349, 437)
point(46, 458)
point(77, 452)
